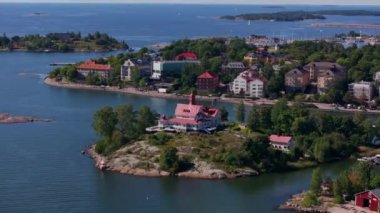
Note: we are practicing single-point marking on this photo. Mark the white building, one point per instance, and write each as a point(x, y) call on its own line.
point(143, 68)
point(362, 89)
point(249, 84)
point(164, 68)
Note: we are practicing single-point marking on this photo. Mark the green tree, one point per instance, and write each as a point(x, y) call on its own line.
point(105, 121)
point(375, 182)
point(316, 181)
point(253, 121)
point(145, 118)
point(265, 118)
point(363, 171)
point(240, 112)
point(224, 114)
point(142, 83)
point(169, 160)
point(135, 75)
point(126, 121)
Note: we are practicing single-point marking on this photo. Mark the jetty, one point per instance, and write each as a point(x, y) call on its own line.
point(62, 63)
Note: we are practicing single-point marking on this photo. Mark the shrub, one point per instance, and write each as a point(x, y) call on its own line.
point(160, 138)
point(100, 146)
point(169, 160)
point(310, 200)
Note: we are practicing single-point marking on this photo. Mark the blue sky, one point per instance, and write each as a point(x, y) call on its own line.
point(316, 2)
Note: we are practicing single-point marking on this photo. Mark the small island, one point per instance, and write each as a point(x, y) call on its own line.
point(198, 141)
point(62, 42)
point(299, 15)
point(11, 119)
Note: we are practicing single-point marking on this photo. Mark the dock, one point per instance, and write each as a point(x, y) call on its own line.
point(62, 63)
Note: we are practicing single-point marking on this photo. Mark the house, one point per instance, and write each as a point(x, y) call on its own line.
point(324, 74)
point(191, 117)
point(249, 84)
point(369, 199)
point(208, 81)
point(296, 80)
point(163, 69)
point(143, 67)
point(92, 68)
point(233, 67)
point(282, 143)
point(186, 56)
point(362, 90)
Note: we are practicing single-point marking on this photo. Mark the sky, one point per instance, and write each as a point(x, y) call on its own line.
point(315, 2)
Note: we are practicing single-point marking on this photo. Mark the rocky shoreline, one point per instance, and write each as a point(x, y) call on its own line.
point(125, 162)
point(10, 119)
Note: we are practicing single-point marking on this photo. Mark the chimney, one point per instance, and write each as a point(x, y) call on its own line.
point(192, 99)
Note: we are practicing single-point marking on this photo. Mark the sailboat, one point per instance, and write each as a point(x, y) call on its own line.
point(249, 22)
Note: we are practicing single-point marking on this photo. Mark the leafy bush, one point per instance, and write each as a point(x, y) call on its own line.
point(160, 138)
point(310, 200)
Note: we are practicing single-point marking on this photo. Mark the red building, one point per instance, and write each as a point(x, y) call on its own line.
point(208, 81)
point(369, 199)
point(192, 117)
point(91, 67)
point(186, 56)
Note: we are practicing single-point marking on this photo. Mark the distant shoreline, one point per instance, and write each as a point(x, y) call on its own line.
point(349, 26)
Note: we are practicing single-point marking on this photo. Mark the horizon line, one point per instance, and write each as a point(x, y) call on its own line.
point(186, 3)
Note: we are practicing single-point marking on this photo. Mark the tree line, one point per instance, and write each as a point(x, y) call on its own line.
point(120, 125)
point(319, 136)
point(61, 42)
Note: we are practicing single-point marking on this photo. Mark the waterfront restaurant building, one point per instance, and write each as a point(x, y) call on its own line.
point(91, 67)
point(192, 117)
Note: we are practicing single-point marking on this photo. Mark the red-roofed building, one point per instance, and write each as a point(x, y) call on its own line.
point(186, 56)
point(192, 117)
point(208, 81)
point(91, 67)
point(279, 142)
point(249, 84)
point(369, 199)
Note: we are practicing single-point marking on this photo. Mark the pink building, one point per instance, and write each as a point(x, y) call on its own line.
point(192, 117)
point(282, 143)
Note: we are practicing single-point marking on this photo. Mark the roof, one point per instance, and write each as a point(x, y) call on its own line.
point(94, 66)
point(208, 75)
point(235, 65)
point(187, 55)
point(295, 72)
point(251, 75)
point(187, 110)
point(376, 192)
point(324, 65)
point(280, 139)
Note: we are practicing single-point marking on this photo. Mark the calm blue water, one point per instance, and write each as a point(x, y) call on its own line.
point(41, 168)
point(148, 24)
